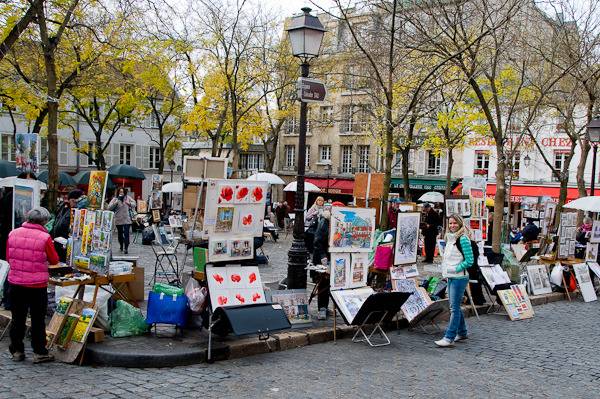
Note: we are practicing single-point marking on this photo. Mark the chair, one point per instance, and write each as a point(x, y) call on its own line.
point(164, 250)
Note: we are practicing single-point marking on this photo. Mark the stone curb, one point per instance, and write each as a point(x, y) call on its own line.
point(97, 354)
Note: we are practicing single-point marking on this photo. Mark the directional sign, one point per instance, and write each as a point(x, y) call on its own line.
point(311, 90)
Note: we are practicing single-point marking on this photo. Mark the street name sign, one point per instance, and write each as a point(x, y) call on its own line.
point(311, 90)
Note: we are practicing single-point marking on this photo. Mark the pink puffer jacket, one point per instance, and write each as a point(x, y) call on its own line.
point(27, 255)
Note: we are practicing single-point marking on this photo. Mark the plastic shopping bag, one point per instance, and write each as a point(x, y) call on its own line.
point(127, 320)
point(196, 295)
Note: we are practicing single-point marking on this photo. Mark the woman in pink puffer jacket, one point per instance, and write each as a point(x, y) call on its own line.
point(29, 251)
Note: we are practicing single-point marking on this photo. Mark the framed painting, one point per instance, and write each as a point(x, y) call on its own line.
point(27, 152)
point(352, 229)
point(539, 280)
point(97, 188)
point(407, 238)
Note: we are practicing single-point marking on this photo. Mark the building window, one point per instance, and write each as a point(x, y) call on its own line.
point(354, 118)
point(8, 147)
point(125, 151)
point(290, 156)
point(154, 157)
point(292, 125)
point(43, 150)
point(346, 159)
point(434, 164)
point(397, 163)
point(560, 157)
point(152, 121)
point(482, 162)
point(307, 158)
point(326, 114)
point(363, 158)
point(516, 164)
point(254, 161)
point(324, 153)
point(88, 159)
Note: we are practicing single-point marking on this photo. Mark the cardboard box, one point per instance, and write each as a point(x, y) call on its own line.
point(137, 286)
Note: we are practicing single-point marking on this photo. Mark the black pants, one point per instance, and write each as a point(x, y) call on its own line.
point(430, 240)
point(35, 302)
point(323, 293)
point(123, 233)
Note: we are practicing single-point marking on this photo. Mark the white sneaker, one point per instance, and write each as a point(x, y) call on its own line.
point(322, 315)
point(444, 343)
point(461, 338)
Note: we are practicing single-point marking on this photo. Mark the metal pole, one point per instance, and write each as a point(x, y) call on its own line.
point(297, 255)
point(595, 152)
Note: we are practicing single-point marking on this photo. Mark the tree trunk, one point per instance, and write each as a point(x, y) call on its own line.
point(405, 175)
point(448, 191)
point(161, 160)
point(585, 151)
point(498, 218)
point(52, 106)
point(214, 151)
point(387, 178)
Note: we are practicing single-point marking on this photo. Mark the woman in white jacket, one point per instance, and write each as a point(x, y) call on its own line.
point(455, 263)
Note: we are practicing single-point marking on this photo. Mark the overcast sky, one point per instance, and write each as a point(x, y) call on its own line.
point(291, 7)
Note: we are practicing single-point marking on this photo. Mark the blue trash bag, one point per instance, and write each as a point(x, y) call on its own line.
point(167, 309)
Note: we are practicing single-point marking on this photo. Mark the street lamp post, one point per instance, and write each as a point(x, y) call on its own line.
point(593, 131)
point(306, 34)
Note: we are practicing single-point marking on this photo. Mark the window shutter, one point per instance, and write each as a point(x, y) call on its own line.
point(114, 154)
point(63, 154)
point(420, 162)
point(138, 156)
point(145, 157)
point(443, 162)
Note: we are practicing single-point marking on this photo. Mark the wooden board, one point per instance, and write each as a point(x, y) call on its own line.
point(361, 183)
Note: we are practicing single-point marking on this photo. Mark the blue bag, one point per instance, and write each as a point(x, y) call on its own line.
point(167, 309)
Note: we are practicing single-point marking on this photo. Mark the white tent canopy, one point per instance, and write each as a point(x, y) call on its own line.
point(174, 187)
point(590, 204)
point(308, 187)
point(268, 177)
point(10, 182)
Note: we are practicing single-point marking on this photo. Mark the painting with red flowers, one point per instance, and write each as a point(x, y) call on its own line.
point(234, 285)
point(226, 193)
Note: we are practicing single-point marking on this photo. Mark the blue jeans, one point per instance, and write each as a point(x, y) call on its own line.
point(456, 291)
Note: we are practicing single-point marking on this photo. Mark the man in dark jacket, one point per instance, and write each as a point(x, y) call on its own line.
point(62, 222)
point(430, 231)
point(530, 231)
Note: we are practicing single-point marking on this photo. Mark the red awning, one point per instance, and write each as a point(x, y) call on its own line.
point(333, 186)
point(519, 191)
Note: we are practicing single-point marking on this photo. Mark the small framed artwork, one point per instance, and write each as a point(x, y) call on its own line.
point(156, 215)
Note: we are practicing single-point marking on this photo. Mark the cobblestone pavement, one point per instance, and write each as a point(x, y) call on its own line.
point(553, 355)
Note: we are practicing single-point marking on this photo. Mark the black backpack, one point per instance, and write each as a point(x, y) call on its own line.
point(475, 250)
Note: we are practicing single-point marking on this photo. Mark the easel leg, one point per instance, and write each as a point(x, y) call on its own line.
point(209, 351)
point(334, 325)
point(564, 280)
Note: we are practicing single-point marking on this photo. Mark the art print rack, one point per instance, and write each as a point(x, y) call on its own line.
point(89, 244)
point(234, 215)
point(567, 233)
point(69, 328)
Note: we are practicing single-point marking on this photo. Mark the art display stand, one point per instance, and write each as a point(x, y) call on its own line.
point(376, 309)
point(426, 321)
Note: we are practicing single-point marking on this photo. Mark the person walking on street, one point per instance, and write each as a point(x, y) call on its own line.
point(454, 268)
point(430, 231)
point(29, 251)
point(121, 205)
